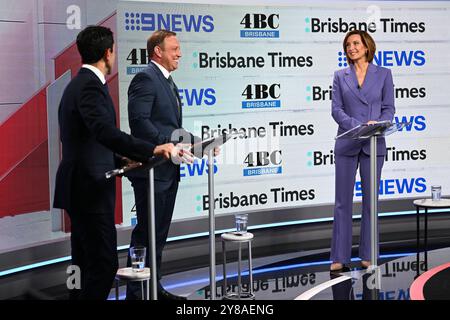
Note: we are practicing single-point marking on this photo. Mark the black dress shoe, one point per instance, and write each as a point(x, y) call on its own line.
point(163, 294)
point(341, 270)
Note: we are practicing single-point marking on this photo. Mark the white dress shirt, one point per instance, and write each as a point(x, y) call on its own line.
point(163, 70)
point(97, 72)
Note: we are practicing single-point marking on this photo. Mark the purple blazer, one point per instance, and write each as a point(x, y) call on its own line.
point(352, 106)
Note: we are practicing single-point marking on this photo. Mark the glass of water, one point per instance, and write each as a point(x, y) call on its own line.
point(137, 255)
point(241, 223)
point(435, 193)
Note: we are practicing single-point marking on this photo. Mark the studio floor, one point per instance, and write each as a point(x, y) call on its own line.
point(306, 276)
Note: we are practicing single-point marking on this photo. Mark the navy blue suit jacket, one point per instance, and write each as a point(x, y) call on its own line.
point(90, 140)
point(352, 106)
point(153, 116)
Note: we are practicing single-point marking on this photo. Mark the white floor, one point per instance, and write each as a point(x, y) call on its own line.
point(26, 230)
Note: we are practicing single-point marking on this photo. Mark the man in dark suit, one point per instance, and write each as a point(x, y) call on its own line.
point(154, 112)
point(90, 144)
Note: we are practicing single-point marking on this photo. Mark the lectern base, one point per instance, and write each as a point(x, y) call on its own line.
point(235, 296)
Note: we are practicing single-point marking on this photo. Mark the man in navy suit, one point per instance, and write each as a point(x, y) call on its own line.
point(154, 114)
point(362, 94)
point(91, 143)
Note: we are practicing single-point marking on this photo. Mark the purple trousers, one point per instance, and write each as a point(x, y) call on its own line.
point(345, 167)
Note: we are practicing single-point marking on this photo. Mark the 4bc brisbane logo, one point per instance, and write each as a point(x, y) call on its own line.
point(258, 25)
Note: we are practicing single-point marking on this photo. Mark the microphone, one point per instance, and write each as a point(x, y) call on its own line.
point(151, 163)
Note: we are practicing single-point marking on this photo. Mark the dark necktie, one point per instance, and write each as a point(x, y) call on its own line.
point(175, 92)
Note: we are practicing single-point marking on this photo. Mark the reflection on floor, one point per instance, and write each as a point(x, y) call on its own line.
point(306, 276)
point(392, 281)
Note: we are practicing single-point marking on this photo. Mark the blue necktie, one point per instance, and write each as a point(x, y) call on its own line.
point(175, 92)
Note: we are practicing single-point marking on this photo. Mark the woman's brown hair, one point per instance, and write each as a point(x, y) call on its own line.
point(366, 39)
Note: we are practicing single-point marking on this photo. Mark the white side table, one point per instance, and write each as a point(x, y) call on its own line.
point(127, 274)
point(239, 238)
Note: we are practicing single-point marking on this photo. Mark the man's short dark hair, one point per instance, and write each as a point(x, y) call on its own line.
point(92, 43)
point(156, 39)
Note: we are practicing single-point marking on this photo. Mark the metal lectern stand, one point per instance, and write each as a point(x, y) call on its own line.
point(198, 149)
point(373, 131)
point(207, 147)
point(212, 226)
point(150, 165)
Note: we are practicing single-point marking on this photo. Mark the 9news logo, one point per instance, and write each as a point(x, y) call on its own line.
point(145, 21)
point(392, 58)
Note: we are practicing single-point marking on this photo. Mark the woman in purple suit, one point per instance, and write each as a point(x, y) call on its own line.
point(362, 93)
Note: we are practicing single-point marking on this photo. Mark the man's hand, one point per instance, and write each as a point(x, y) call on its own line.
point(164, 150)
point(131, 163)
point(371, 122)
point(181, 153)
